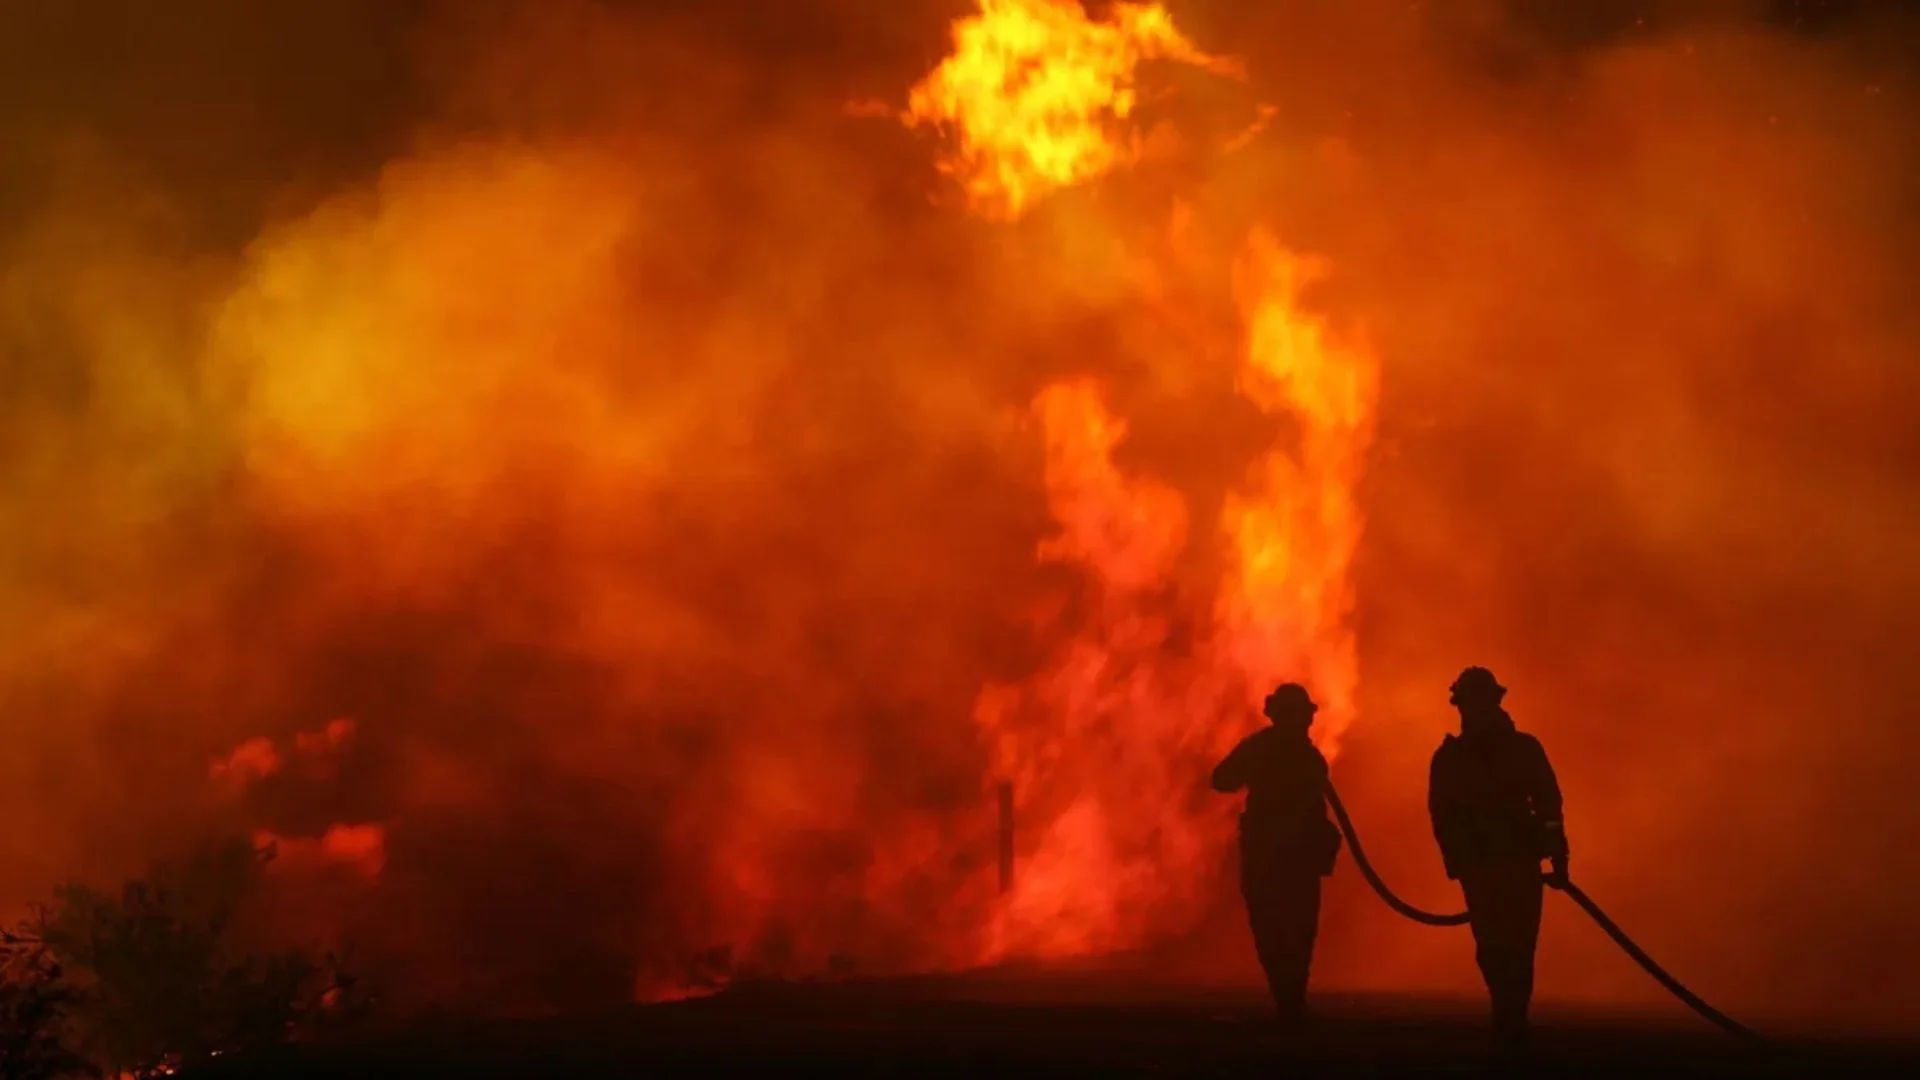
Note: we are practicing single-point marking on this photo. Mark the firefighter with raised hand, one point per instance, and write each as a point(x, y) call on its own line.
point(1287, 842)
point(1496, 810)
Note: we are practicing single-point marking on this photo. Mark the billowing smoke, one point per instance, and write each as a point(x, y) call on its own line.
point(595, 498)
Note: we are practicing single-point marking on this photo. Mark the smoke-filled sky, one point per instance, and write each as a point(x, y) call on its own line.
point(649, 456)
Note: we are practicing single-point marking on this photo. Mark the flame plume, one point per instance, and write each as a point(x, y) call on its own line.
point(1039, 95)
point(1107, 744)
point(1286, 609)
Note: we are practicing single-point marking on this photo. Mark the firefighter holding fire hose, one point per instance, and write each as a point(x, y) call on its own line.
point(1287, 842)
point(1496, 810)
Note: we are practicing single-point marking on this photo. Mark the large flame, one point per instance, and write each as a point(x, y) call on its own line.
point(1287, 608)
point(1101, 746)
point(1106, 745)
point(1039, 96)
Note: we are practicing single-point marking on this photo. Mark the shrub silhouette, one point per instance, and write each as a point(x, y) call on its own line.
point(158, 977)
point(36, 1014)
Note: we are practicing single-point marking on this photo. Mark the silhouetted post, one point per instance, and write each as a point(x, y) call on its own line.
point(1006, 835)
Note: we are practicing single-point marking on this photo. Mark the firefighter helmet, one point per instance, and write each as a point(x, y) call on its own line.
point(1476, 686)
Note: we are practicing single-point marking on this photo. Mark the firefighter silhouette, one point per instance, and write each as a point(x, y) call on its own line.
point(1496, 812)
point(1287, 841)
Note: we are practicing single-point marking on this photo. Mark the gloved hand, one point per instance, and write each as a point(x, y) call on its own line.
point(1558, 877)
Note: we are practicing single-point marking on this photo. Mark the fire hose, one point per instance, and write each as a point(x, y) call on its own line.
point(1575, 893)
point(1366, 871)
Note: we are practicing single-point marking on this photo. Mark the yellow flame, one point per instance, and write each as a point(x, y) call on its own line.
point(1287, 610)
point(1038, 95)
point(1105, 741)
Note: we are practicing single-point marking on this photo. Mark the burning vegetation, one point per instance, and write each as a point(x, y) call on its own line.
point(618, 542)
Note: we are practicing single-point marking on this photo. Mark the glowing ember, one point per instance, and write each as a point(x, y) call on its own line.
point(1039, 95)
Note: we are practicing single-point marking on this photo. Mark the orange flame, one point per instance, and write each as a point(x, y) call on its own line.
point(1286, 611)
point(1098, 744)
point(1039, 95)
point(1108, 745)
point(1130, 529)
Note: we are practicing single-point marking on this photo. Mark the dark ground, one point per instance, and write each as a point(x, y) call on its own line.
point(993, 1025)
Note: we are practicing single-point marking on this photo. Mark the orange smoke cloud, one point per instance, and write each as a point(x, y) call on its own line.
point(362, 847)
point(1093, 744)
point(613, 430)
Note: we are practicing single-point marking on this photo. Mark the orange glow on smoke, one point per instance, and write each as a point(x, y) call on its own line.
point(259, 758)
point(457, 400)
point(700, 500)
point(255, 759)
point(1106, 746)
point(1101, 746)
point(360, 847)
point(328, 740)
